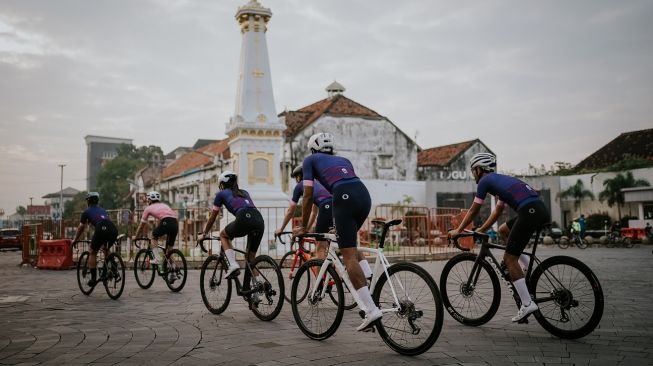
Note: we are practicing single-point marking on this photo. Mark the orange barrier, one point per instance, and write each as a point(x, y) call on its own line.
point(55, 254)
point(31, 233)
point(634, 233)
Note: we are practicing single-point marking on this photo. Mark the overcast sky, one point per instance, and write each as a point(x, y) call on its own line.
point(538, 82)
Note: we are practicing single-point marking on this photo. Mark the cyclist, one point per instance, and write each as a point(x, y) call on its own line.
point(249, 222)
point(575, 230)
point(168, 225)
point(104, 235)
point(351, 205)
point(531, 215)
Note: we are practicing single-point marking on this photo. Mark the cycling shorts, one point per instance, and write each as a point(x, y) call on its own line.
point(105, 234)
point(351, 205)
point(249, 222)
point(169, 227)
point(324, 220)
point(530, 218)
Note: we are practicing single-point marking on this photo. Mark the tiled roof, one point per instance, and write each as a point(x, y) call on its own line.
point(338, 105)
point(633, 144)
point(203, 142)
point(67, 192)
point(193, 160)
point(442, 155)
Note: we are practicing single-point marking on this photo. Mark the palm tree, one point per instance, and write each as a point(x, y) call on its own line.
point(613, 186)
point(577, 192)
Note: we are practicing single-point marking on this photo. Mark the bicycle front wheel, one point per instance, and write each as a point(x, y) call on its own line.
point(569, 296)
point(415, 320)
point(175, 270)
point(84, 274)
point(143, 269)
point(289, 264)
point(583, 244)
point(114, 282)
point(317, 316)
point(268, 298)
point(214, 288)
point(471, 294)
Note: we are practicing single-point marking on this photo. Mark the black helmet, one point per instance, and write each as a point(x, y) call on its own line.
point(92, 197)
point(297, 172)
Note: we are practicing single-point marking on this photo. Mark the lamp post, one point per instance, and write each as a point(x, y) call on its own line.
point(61, 206)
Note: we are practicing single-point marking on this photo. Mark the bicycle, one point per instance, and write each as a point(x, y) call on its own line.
point(406, 293)
point(472, 293)
point(295, 258)
point(576, 240)
point(110, 269)
point(265, 299)
point(173, 269)
point(617, 240)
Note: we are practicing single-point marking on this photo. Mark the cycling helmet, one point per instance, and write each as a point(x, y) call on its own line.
point(297, 172)
point(321, 141)
point(154, 196)
point(226, 176)
point(92, 195)
point(485, 161)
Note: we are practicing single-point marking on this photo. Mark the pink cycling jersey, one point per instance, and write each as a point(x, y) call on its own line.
point(159, 211)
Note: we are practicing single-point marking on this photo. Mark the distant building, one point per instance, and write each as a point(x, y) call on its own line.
point(38, 212)
point(627, 145)
point(53, 199)
point(100, 149)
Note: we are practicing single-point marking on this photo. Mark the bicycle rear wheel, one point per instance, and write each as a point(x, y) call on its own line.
point(175, 270)
point(416, 323)
point(114, 281)
point(84, 274)
point(569, 296)
point(582, 244)
point(214, 288)
point(143, 269)
point(627, 243)
point(474, 304)
point(268, 300)
point(288, 265)
point(316, 316)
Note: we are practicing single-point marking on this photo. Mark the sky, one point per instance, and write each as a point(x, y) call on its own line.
point(537, 82)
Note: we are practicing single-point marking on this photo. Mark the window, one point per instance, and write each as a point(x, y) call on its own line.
point(260, 168)
point(384, 161)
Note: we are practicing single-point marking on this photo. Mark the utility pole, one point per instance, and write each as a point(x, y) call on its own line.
point(61, 206)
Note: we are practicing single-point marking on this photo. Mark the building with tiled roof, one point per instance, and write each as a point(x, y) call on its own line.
point(634, 144)
point(448, 161)
point(377, 147)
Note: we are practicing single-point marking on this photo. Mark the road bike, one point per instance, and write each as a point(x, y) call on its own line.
point(173, 268)
point(295, 258)
point(265, 297)
point(405, 292)
point(617, 240)
point(568, 294)
point(575, 240)
point(110, 269)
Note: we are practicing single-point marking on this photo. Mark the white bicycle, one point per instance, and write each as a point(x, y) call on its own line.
point(410, 300)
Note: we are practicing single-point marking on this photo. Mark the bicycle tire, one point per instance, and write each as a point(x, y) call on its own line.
point(627, 243)
point(317, 304)
point(610, 242)
point(565, 296)
point(271, 292)
point(582, 244)
point(84, 274)
point(143, 269)
point(288, 266)
point(563, 244)
point(417, 315)
point(114, 283)
point(212, 284)
point(176, 257)
point(456, 296)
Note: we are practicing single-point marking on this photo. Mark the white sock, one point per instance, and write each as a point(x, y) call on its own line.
point(231, 257)
point(365, 266)
point(367, 304)
point(522, 290)
point(524, 260)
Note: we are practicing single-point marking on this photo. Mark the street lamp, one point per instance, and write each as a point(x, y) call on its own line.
point(61, 192)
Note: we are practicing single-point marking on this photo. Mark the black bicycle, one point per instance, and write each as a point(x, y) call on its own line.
point(265, 297)
point(574, 240)
point(567, 292)
point(173, 270)
point(615, 239)
point(110, 269)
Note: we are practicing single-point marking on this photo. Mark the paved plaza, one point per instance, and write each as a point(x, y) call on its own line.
point(46, 320)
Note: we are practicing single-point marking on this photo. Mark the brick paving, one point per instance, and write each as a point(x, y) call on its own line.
point(44, 319)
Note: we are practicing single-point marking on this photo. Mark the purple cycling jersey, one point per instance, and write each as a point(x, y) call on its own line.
point(328, 170)
point(94, 215)
point(232, 202)
point(320, 194)
point(510, 190)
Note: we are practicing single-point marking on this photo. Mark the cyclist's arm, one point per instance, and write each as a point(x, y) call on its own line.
point(494, 216)
point(311, 220)
point(80, 230)
point(288, 216)
point(209, 223)
point(471, 214)
point(307, 204)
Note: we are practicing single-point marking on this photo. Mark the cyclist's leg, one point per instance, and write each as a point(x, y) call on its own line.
point(256, 227)
point(171, 234)
point(504, 232)
point(322, 225)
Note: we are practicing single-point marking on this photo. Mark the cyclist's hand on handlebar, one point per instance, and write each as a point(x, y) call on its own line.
point(277, 232)
point(453, 234)
point(298, 230)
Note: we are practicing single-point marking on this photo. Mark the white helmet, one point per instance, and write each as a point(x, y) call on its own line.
point(484, 160)
point(154, 196)
point(225, 176)
point(321, 141)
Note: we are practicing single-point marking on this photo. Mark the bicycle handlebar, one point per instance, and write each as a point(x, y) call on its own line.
point(467, 233)
point(278, 237)
point(136, 240)
point(200, 242)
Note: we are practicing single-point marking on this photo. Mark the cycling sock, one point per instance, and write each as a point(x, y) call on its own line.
point(522, 290)
point(231, 257)
point(365, 266)
point(524, 260)
point(366, 299)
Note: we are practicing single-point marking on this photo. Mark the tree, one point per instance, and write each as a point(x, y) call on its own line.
point(77, 204)
point(22, 211)
point(113, 177)
point(577, 192)
point(613, 186)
